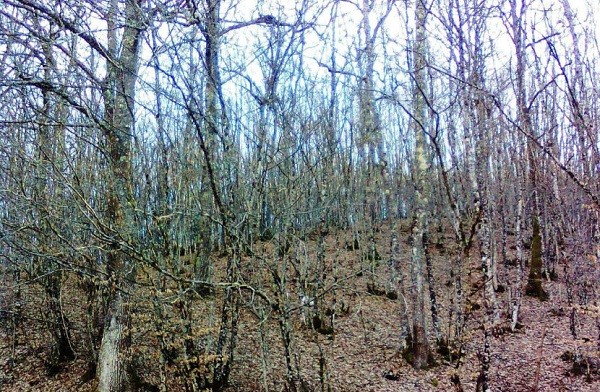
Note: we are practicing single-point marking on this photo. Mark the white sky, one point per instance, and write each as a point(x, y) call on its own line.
point(242, 47)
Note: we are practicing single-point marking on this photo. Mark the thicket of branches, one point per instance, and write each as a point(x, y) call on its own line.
point(148, 147)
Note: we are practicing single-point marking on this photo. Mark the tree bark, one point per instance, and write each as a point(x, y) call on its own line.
point(534, 286)
point(113, 369)
point(113, 362)
point(421, 167)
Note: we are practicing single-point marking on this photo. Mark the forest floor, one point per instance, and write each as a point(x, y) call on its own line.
point(362, 354)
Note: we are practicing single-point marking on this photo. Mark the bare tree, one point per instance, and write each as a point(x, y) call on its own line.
point(119, 99)
point(420, 127)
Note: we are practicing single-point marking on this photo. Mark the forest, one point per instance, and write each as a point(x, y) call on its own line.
point(310, 195)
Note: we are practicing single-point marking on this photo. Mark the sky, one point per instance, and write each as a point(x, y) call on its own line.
point(244, 52)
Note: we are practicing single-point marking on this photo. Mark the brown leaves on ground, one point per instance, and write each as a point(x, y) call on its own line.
point(362, 353)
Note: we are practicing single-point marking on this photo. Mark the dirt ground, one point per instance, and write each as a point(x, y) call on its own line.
point(362, 354)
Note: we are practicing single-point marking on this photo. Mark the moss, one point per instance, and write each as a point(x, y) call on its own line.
point(407, 353)
point(534, 283)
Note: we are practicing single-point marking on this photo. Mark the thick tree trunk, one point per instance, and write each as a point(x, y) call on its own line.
point(119, 92)
point(534, 283)
point(113, 371)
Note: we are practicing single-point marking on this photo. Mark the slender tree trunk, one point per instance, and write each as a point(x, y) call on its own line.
point(398, 283)
point(50, 141)
point(517, 289)
point(435, 319)
point(480, 113)
point(421, 167)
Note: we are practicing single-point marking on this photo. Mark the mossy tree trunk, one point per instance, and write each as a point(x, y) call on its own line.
point(534, 286)
point(113, 364)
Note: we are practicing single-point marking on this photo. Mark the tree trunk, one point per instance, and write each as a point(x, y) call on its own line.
point(119, 91)
point(50, 140)
point(113, 371)
point(435, 319)
point(516, 291)
point(534, 282)
point(419, 332)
